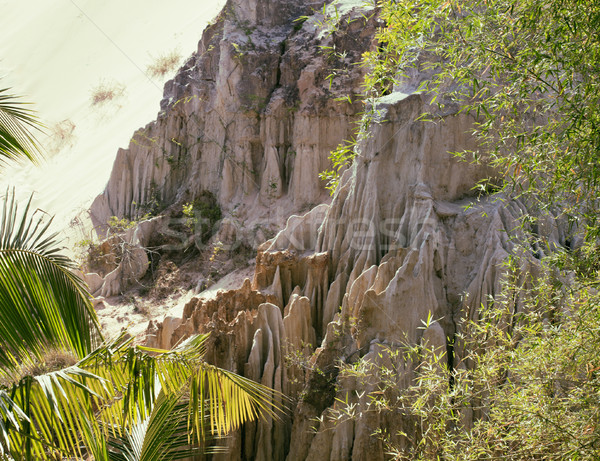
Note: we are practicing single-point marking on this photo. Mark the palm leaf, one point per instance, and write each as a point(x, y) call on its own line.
point(50, 415)
point(217, 401)
point(227, 399)
point(10, 417)
point(162, 435)
point(167, 434)
point(110, 404)
point(42, 303)
point(16, 122)
point(55, 414)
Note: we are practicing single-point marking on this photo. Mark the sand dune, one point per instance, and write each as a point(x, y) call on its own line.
point(57, 52)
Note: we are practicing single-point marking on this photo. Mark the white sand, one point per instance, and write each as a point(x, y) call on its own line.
point(55, 52)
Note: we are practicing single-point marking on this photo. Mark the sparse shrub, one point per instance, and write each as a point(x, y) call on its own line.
point(88, 251)
point(153, 204)
point(164, 64)
point(96, 257)
point(341, 158)
point(201, 215)
point(117, 225)
point(217, 248)
point(62, 134)
point(106, 91)
point(188, 212)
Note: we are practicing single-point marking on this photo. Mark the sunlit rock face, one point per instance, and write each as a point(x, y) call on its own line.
point(252, 117)
point(397, 246)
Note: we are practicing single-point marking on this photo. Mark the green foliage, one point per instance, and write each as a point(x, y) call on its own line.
point(153, 204)
point(298, 23)
point(527, 70)
point(63, 394)
point(534, 382)
point(117, 403)
point(16, 122)
point(188, 212)
point(117, 225)
point(127, 402)
point(524, 385)
point(201, 215)
point(524, 380)
point(341, 158)
point(85, 245)
point(42, 302)
point(542, 380)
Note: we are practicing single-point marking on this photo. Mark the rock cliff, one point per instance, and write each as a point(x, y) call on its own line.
point(252, 117)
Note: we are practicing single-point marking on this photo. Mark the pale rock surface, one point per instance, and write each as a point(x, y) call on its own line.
point(132, 262)
point(242, 119)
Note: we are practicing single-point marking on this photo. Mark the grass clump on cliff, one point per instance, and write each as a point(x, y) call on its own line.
point(164, 64)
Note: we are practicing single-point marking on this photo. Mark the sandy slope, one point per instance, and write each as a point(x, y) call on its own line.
point(55, 52)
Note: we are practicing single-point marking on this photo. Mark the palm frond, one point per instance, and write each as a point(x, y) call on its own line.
point(230, 400)
point(226, 398)
point(42, 302)
point(50, 415)
point(218, 401)
point(10, 417)
point(16, 124)
point(112, 405)
point(162, 435)
point(56, 413)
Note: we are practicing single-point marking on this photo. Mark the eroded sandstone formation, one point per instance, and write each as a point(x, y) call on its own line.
point(252, 117)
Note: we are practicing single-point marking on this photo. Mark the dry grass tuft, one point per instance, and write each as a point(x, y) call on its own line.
point(53, 360)
point(62, 134)
point(106, 92)
point(164, 64)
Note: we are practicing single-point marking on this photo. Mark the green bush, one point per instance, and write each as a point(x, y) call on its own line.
point(527, 383)
point(524, 385)
point(527, 70)
point(201, 215)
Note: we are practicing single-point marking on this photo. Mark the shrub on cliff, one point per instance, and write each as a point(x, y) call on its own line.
point(527, 70)
point(527, 386)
